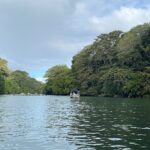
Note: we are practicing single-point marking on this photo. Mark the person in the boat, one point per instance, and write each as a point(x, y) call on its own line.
point(75, 91)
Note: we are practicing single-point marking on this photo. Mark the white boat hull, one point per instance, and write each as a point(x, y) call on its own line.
point(74, 95)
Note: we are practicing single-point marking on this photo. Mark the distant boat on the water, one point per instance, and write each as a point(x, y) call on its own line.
point(75, 93)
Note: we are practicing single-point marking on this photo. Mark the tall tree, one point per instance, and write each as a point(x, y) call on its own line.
point(4, 71)
point(59, 80)
point(2, 84)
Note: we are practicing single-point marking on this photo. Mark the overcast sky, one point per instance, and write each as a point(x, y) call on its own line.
point(38, 34)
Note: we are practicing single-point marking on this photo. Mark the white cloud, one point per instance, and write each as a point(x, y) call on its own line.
point(37, 34)
point(122, 19)
point(43, 80)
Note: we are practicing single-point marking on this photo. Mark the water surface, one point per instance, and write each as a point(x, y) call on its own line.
point(61, 123)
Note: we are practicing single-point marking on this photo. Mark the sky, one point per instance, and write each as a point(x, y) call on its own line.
point(38, 34)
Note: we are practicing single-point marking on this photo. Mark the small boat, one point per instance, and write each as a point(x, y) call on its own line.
point(75, 93)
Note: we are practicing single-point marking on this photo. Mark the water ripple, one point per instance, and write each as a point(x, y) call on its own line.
point(61, 123)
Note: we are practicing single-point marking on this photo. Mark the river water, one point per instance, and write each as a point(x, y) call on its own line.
point(61, 123)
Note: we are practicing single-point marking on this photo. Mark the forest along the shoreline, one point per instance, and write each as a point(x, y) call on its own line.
point(17, 82)
point(115, 64)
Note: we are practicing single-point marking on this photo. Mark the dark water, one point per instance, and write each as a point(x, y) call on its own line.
point(61, 123)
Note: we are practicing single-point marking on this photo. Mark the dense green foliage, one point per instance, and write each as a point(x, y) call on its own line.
point(4, 71)
point(17, 82)
point(116, 64)
point(20, 82)
point(59, 80)
point(11, 87)
point(2, 84)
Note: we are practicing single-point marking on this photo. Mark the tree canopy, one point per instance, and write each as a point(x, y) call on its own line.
point(16, 82)
point(20, 82)
point(59, 80)
point(116, 64)
point(4, 70)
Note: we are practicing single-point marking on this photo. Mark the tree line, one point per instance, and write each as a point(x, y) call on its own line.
point(17, 82)
point(115, 64)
